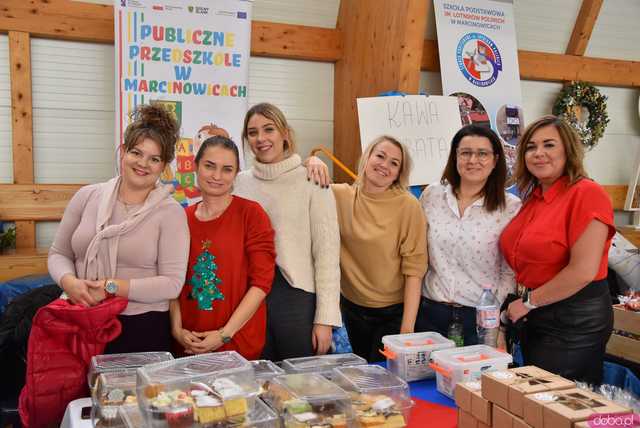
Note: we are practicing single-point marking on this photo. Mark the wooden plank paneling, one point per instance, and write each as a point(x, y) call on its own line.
point(558, 67)
point(382, 48)
point(583, 27)
point(618, 195)
point(555, 67)
point(22, 125)
point(270, 39)
point(70, 20)
point(17, 263)
point(40, 202)
point(59, 19)
point(21, 107)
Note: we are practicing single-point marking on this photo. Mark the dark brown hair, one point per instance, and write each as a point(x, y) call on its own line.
point(219, 141)
point(493, 190)
point(156, 123)
point(574, 151)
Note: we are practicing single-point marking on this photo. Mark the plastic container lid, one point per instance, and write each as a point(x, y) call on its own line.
point(262, 416)
point(216, 387)
point(117, 362)
point(416, 342)
point(266, 370)
point(321, 363)
point(306, 400)
point(469, 355)
point(376, 393)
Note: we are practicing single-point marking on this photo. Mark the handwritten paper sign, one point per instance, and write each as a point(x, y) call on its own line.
point(425, 124)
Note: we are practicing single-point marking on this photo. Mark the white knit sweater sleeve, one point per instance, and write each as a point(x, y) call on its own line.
point(325, 248)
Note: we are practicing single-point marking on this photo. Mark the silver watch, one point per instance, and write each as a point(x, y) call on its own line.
point(526, 300)
point(110, 288)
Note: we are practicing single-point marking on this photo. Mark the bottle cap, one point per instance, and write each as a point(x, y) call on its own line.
point(487, 286)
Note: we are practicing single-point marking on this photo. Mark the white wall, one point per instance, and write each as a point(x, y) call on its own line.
point(6, 152)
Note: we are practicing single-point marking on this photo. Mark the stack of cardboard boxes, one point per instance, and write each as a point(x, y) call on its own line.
point(527, 397)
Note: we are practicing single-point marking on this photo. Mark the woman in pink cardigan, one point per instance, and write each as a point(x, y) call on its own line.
point(128, 237)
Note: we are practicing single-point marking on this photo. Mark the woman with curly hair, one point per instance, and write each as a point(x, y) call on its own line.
point(128, 237)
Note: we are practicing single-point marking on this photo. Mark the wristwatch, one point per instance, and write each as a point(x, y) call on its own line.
point(225, 339)
point(110, 288)
point(526, 300)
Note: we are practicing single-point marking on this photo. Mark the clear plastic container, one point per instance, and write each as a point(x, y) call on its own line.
point(323, 364)
point(265, 370)
point(309, 400)
point(466, 364)
point(205, 389)
point(261, 416)
point(112, 391)
point(408, 354)
point(379, 397)
point(118, 362)
point(131, 417)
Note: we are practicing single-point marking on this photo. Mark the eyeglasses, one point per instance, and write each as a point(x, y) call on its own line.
point(481, 155)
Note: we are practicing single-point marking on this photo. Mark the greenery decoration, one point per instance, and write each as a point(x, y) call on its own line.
point(570, 104)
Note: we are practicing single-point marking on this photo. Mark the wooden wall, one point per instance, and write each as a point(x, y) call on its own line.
point(360, 70)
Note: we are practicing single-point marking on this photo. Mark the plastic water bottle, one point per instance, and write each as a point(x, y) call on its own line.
point(456, 330)
point(488, 317)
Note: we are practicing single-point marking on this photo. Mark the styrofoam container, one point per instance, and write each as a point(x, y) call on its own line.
point(323, 364)
point(466, 364)
point(408, 354)
point(204, 389)
point(309, 400)
point(376, 393)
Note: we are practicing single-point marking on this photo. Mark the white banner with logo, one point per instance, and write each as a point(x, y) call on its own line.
point(479, 64)
point(192, 57)
point(424, 124)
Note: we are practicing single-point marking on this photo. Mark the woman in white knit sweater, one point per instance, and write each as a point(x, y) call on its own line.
point(304, 303)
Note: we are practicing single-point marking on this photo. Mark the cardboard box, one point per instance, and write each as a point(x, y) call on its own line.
point(469, 398)
point(561, 409)
point(466, 420)
point(503, 419)
point(624, 341)
point(507, 388)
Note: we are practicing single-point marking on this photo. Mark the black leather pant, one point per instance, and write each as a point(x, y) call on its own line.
point(569, 337)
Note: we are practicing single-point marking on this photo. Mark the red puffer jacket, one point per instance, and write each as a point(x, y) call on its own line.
point(63, 339)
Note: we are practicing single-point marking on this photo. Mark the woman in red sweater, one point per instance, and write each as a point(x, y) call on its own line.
point(231, 263)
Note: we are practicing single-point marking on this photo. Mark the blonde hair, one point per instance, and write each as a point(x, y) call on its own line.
point(275, 115)
point(574, 151)
point(402, 181)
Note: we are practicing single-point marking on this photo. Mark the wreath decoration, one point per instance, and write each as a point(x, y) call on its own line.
point(571, 104)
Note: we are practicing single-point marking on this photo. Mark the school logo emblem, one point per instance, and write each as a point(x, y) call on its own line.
point(478, 59)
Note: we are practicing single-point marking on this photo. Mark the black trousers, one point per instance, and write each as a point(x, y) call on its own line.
point(437, 316)
point(146, 332)
point(290, 316)
point(569, 337)
point(366, 326)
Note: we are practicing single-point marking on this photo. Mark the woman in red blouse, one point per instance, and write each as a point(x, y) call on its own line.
point(231, 263)
point(557, 246)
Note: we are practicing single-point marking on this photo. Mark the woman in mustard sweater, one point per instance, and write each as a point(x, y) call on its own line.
point(383, 250)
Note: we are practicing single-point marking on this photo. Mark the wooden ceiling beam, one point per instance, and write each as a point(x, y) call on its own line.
point(76, 21)
point(382, 42)
point(582, 29)
point(558, 67)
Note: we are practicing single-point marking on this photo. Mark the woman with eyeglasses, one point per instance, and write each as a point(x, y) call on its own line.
point(466, 213)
